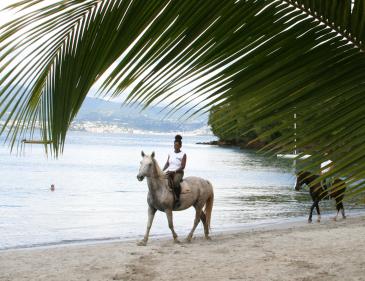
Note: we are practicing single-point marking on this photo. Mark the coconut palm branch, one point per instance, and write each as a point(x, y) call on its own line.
point(270, 58)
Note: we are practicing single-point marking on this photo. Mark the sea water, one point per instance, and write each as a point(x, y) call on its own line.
point(97, 196)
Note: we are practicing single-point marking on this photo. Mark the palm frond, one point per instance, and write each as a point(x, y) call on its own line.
point(270, 58)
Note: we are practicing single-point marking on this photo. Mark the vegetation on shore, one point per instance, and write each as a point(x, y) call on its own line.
point(236, 131)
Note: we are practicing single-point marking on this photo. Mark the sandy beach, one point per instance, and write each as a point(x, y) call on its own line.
point(293, 251)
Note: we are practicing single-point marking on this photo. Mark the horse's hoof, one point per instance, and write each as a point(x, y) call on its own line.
point(176, 241)
point(208, 238)
point(309, 221)
point(142, 243)
point(344, 217)
point(318, 221)
point(188, 239)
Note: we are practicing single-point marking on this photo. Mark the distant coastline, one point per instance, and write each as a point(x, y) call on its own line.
point(97, 115)
point(102, 116)
point(100, 127)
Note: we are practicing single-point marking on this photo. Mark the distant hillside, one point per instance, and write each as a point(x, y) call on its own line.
point(151, 119)
point(97, 114)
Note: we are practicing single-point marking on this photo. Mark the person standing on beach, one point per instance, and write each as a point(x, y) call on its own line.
point(175, 166)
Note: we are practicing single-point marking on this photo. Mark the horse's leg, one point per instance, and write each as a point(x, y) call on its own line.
point(339, 206)
point(198, 211)
point(171, 224)
point(343, 211)
point(151, 215)
point(311, 210)
point(341, 198)
point(335, 217)
point(206, 228)
point(318, 213)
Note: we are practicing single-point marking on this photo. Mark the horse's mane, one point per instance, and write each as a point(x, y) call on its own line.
point(158, 171)
point(307, 176)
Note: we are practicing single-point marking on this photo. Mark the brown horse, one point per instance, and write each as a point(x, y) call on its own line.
point(319, 191)
point(196, 192)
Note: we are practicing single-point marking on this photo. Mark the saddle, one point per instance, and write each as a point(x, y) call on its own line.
point(184, 188)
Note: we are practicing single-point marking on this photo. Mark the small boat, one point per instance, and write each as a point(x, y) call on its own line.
point(293, 156)
point(36, 141)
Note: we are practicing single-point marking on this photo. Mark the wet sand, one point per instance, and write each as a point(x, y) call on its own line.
point(292, 251)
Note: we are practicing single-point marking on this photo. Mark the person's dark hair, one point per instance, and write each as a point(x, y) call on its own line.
point(178, 139)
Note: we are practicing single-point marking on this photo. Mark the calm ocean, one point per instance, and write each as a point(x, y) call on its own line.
point(98, 197)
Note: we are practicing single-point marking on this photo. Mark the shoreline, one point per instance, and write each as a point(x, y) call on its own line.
point(236, 144)
point(273, 224)
point(289, 251)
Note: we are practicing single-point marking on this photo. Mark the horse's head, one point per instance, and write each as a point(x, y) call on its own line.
point(146, 168)
point(301, 179)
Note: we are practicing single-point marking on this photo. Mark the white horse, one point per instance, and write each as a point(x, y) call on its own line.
point(195, 192)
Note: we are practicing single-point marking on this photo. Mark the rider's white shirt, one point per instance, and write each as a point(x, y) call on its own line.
point(175, 160)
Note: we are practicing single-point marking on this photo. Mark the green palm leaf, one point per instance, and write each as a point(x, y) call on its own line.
point(264, 60)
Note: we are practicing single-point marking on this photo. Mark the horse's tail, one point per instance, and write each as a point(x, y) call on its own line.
point(209, 207)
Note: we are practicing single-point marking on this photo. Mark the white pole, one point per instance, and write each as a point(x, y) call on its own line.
point(295, 140)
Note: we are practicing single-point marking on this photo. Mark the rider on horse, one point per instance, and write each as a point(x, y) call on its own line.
point(175, 166)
